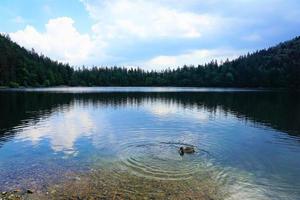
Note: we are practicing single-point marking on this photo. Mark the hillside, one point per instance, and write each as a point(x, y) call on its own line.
point(19, 66)
point(276, 67)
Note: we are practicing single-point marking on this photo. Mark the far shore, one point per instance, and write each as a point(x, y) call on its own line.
point(154, 86)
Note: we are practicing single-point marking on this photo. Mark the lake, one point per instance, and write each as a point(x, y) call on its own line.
point(122, 143)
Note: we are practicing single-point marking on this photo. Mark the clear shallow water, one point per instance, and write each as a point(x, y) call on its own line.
point(247, 141)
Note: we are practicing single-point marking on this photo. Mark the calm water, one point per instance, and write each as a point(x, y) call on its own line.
point(247, 142)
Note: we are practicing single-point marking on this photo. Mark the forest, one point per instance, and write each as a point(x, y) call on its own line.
point(275, 67)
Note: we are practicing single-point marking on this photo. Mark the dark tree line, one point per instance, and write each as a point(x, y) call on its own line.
point(276, 67)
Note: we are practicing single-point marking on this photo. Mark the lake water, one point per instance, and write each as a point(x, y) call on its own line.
point(123, 143)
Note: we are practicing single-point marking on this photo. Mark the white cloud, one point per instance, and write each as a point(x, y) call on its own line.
point(119, 23)
point(195, 57)
point(155, 34)
point(147, 19)
point(128, 23)
point(135, 25)
point(60, 41)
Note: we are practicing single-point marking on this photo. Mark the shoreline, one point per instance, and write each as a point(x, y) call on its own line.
point(101, 184)
point(74, 89)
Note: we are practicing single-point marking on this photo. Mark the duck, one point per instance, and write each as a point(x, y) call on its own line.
point(189, 150)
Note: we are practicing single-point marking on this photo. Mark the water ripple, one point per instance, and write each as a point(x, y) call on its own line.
point(160, 160)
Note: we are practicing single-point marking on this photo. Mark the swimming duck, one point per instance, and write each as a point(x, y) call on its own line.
point(183, 150)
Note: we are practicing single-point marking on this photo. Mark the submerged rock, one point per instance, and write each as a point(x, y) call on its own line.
point(16, 194)
point(29, 191)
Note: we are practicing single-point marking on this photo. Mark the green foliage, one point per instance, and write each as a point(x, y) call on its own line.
point(27, 68)
point(278, 66)
point(47, 83)
point(13, 84)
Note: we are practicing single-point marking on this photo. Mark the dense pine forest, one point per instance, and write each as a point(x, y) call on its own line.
point(276, 67)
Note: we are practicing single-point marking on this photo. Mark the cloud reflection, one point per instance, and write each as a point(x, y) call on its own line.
point(62, 129)
point(171, 110)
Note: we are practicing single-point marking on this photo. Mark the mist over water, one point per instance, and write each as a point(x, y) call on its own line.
point(246, 141)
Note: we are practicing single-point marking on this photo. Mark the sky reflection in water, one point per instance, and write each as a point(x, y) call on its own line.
point(250, 140)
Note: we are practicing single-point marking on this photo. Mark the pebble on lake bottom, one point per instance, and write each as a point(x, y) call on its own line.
point(102, 185)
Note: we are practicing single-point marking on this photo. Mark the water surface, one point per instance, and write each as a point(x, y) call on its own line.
point(247, 141)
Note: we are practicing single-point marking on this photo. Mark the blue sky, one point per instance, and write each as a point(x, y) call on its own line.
point(151, 34)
